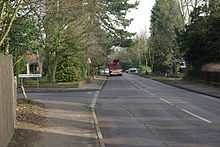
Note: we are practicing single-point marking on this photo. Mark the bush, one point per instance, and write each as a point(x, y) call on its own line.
point(68, 69)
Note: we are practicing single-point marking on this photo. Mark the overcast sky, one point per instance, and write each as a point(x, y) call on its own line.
point(141, 16)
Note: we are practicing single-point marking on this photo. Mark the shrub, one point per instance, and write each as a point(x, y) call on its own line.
point(68, 69)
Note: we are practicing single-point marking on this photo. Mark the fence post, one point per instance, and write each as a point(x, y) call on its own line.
point(15, 97)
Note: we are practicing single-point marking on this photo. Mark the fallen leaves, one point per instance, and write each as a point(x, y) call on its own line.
point(29, 114)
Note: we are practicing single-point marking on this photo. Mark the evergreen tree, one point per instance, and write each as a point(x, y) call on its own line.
point(165, 20)
point(111, 19)
point(200, 41)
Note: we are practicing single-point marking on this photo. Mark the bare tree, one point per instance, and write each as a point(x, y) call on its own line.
point(186, 7)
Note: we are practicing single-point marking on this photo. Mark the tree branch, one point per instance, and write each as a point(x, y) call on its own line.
point(2, 11)
point(10, 23)
point(18, 61)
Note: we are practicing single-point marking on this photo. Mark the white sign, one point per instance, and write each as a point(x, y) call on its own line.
point(29, 75)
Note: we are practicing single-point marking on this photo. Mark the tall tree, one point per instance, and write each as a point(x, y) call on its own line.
point(165, 20)
point(90, 22)
point(186, 7)
point(200, 42)
point(23, 36)
point(64, 27)
point(111, 19)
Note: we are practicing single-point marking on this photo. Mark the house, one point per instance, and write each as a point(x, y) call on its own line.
point(33, 64)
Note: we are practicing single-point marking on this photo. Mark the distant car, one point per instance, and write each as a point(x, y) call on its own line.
point(104, 72)
point(101, 72)
point(132, 70)
point(182, 65)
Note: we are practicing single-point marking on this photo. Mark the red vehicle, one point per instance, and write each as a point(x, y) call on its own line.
point(115, 69)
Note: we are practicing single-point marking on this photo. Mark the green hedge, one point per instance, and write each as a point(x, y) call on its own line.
point(68, 69)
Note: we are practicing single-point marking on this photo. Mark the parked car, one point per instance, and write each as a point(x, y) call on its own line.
point(101, 72)
point(134, 70)
point(104, 72)
point(183, 64)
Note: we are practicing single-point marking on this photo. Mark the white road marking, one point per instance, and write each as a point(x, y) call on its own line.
point(99, 133)
point(201, 118)
point(94, 100)
point(165, 101)
point(146, 91)
point(152, 94)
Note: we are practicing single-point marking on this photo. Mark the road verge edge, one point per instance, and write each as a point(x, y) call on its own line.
point(188, 89)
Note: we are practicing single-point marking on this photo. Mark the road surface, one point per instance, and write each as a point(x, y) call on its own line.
point(136, 112)
point(76, 97)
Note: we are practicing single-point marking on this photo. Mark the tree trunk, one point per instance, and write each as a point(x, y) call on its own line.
point(51, 62)
point(52, 74)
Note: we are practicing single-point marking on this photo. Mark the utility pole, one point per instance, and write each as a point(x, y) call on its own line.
point(175, 61)
point(146, 48)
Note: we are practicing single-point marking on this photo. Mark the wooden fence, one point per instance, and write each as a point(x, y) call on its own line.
point(7, 100)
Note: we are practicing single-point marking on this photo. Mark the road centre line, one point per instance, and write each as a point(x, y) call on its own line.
point(188, 112)
point(165, 101)
point(152, 94)
point(201, 118)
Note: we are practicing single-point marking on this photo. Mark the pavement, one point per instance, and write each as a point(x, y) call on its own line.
point(197, 87)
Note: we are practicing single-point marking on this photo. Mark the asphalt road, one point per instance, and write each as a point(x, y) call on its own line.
point(136, 112)
point(84, 97)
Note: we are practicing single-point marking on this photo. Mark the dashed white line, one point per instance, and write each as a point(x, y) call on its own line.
point(188, 112)
point(165, 101)
point(201, 118)
point(146, 91)
point(152, 94)
point(94, 100)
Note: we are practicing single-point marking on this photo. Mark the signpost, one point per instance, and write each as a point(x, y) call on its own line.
point(89, 62)
point(30, 76)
